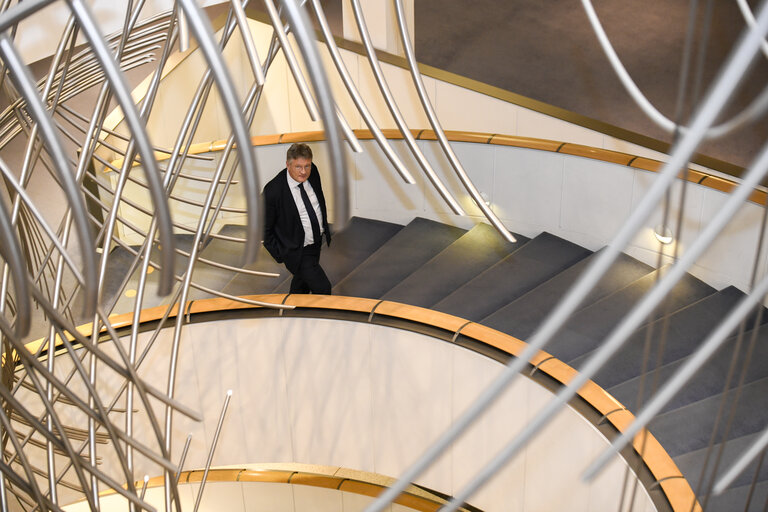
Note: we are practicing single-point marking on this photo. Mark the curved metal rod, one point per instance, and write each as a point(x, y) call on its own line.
point(14, 258)
point(753, 111)
point(401, 124)
point(355, 95)
point(442, 139)
point(20, 76)
point(250, 47)
point(749, 17)
point(123, 96)
point(12, 253)
point(203, 33)
point(348, 133)
point(5, 423)
point(305, 38)
point(11, 179)
point(213, 448)
point(711, 108)
point(749, 455)
point(18, 12)
point(290, 58)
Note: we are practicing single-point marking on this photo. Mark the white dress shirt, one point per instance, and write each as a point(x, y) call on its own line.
point(294, 186)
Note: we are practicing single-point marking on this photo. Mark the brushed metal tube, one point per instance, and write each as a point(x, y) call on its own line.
point(183, 32)
point(3, 494)
point(355, 95)
point(144, 487)
point(349, 135)
point(14, 267)
point(204, 36)
point(212, 450)
point(14, 258)
point(10, 178)
point(681, 153)
point(15, 14)
point(202, 30)
point(123, 96)
point(250, 46)
point(20, 76)
point(130, 361)
point(738, 467)
point(397, 116)
point(31, 480)
point(290, 58)
point(305, 38)
point(183, 457)
point(469, 186)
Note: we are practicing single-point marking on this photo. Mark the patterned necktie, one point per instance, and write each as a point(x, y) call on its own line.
point(311, 213)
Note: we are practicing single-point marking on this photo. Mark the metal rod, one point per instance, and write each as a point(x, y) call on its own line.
point(14, 258)
point(738, 467)
point(202, 30)
point(398, 117)
point(213, 448)
point(18, 12)
point(290, 58)
point(119, 87)
point(438, 129)
point(183, 457)
point(356, 98)
point(250, 46)
point(20, 76)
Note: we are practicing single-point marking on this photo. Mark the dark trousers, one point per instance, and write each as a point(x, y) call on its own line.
point(308, 275)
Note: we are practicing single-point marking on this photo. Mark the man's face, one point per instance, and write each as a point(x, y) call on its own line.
point(299, 168)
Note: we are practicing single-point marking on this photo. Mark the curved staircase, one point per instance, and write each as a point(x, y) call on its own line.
point(474, 274)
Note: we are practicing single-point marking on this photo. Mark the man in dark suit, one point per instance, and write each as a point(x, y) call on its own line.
point(296, 220)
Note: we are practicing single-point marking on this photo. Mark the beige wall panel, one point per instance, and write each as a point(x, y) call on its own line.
point(462, 109)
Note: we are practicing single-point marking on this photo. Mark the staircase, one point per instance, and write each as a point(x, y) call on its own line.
point(511, 287)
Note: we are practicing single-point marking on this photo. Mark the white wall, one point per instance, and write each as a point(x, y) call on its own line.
point(366, 397)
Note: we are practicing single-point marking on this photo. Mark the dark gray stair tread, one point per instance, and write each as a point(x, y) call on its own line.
point(735, 499)
point(409, 249)
point(477, 250)
point(711, 378)
point(246, 284)
point(684, 330)
point(119, 262)
point(689, 428)
point(350, 247)
point(226, 252)
point(532, 264)
point(586, 329)
point(523, 315)
point(690, 463)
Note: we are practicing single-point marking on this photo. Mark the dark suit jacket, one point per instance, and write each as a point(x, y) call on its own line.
point(283, 232)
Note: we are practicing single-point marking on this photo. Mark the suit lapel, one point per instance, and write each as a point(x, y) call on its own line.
point(290, 204)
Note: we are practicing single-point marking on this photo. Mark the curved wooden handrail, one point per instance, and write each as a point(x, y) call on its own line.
point(712, 181)
point(341, 479)
point(674, 485)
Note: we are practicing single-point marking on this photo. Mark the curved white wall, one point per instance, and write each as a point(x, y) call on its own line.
point(364, 397)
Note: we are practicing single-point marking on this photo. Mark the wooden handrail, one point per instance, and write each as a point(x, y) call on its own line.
point(676, 488)
point(341, 479)
point(712, 181)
